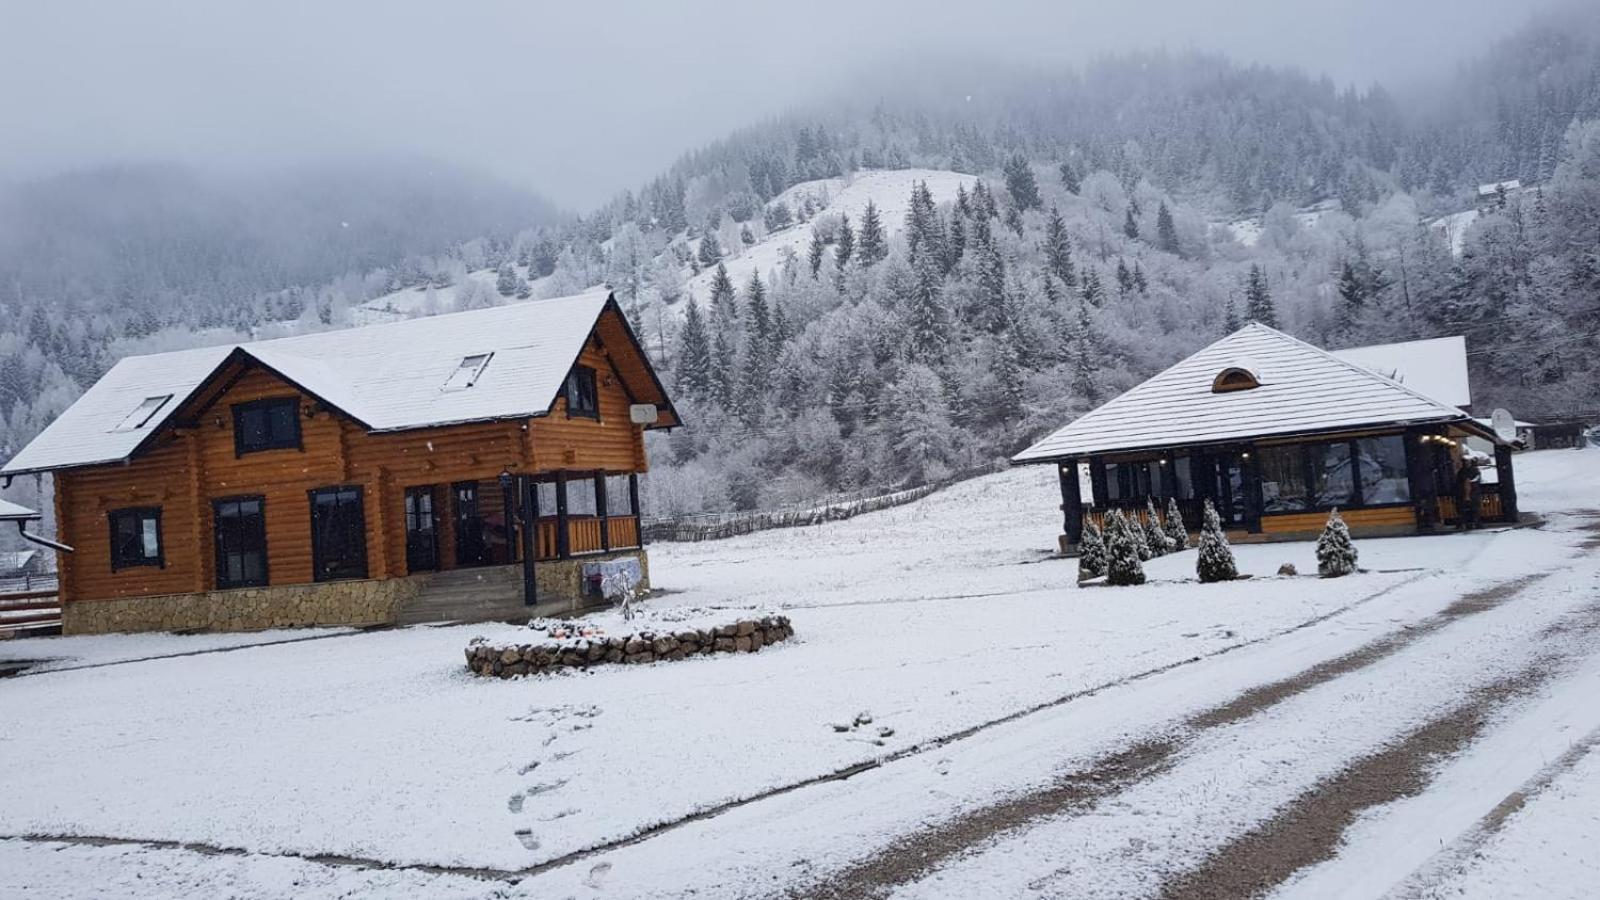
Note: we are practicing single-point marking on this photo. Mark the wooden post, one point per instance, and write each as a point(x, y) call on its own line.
point(1419, 471)
point(633, 505)
point(1250, 483)
point(563, 544)
point(529, 511)
point(1071, 502)
point(600, 511)
point(1508, 482)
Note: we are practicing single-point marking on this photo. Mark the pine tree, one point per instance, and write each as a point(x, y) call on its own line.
point(1069, 177)
point(1091, 552)
point(723, 389)
point(1083, 355)
point(927, 330)
point(710, 249)
point(818, 248)
point(694, 354)
point(1020, 183)
point(1230, 316)
point(873, 245)
point(982, 201)
point(1092, 292)
point(724, 299)
point(1258, 298)
point(506, 280)
point(1141, 538)
point(845, 244)
point(1215, 560)
point(1336, 553)
point(759, 320)
point(1177, 534)
point(1124, 278)
point(1167, 231)
point(1139, 279)
point(1130, 225)
point(1160, 545)
point(746, 236)
point(1123, 566)
point(1058, 249)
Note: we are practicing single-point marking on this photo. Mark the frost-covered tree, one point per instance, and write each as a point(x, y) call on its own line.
point(506, 280)
point(693, 372)
point(1091, 552)
point(874, 245)
point(724, 299)
point(1130, 225)
point(1155, 535)
point(1336, 553)
point(1020, 183)
point(844, 245)
point(1177, 534)
point(1069, 177)
point(710, 252)
point(1058, 249)
point(1141, 537)
point(1123, 564)
point(1215, 560)
point(1166, 230)
point(818, 249)
point(1258, 305)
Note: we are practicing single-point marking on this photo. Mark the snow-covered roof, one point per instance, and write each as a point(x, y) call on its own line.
point(387, 377)
point(1436, 367)
point(1304, 390)
point(11, 511)
point(1495, 187)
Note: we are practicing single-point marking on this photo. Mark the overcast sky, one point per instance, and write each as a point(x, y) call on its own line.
point(580, 99)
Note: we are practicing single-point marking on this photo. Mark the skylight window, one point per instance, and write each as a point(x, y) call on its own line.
point(467, 373)
point(143, 413)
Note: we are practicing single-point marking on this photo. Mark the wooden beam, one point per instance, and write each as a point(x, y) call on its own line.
point(1071, 501)
point(529, 509)
point(600, 511)
point(563, 544)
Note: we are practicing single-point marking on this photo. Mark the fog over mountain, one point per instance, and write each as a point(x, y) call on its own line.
point(579, 100)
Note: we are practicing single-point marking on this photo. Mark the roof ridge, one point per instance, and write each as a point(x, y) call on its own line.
point(1328, 354)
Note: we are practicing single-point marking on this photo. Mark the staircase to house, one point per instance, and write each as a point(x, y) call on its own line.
point(482, 594)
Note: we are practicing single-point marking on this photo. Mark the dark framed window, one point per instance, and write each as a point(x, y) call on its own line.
point(136, 537)
point(1344, 474)
point(338, 533)
point(583, 398)
point(272, 424)
point(240, 527)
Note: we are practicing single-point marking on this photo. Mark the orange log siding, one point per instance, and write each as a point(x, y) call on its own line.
point(191, 465)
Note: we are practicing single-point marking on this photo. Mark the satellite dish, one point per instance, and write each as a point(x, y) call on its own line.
point(643, 414)
point(1505, 427)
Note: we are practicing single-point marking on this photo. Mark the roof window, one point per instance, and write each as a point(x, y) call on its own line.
point(467, 373)
point(1234, 378)
point(143, 413)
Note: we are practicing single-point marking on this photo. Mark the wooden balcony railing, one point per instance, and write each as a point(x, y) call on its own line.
point(584, 535)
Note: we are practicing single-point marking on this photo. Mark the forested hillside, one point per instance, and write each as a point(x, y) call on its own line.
point(1108, 221)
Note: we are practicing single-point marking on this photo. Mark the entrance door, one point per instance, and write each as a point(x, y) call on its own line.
point(1229, 489)
point(472, 546)
point(422, 530)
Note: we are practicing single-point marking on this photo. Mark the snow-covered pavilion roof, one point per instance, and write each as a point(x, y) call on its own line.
point(1495, 187)
point(13, 511)
point(1303, 390)
point(1436, 366)
point(386, 377)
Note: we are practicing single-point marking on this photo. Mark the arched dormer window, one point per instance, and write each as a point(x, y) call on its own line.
point(1234, 378)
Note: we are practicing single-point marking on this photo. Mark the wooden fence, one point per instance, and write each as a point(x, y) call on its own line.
point(27, 612)
point(716, 526)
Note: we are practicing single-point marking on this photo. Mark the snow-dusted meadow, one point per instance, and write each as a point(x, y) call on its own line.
point(932, 619)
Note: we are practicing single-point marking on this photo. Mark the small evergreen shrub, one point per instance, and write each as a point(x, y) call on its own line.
point(1177, 534)
point(1336, 553)
point(1216, 561)
point(1122, 553)
point(1141, 539)
point(1155, 535)
point(1091, 552)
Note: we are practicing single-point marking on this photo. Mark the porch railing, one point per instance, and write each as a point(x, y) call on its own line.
point(587, 534)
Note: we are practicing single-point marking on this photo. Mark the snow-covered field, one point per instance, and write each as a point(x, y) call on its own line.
point(988, 677)
point(889, 190)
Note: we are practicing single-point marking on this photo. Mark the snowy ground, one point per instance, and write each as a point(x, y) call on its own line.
point(1028, 737)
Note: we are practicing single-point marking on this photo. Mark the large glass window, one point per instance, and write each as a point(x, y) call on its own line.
point(338, 533)
point(1183, 477)
point(583, 398)
point(136, 537)
point(1332, 478)
point(266, 425)
point(1283, 479)
point(1383, 470)
point(241, 535)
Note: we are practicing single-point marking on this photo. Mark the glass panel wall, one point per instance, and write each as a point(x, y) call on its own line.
point(1344, 474)
point(1383, 470)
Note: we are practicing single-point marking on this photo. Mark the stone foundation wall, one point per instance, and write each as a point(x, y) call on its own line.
point(745, 636)
point(560, 581)
point(364, 602)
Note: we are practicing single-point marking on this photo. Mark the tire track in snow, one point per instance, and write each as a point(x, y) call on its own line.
point(1311, 829)
point(650, 831)
point(916, 855)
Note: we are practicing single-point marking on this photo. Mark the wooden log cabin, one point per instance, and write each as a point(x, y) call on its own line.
point(474, 465)
point(1275, 433)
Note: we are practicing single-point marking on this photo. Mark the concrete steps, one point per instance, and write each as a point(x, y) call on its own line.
point(486, 594)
